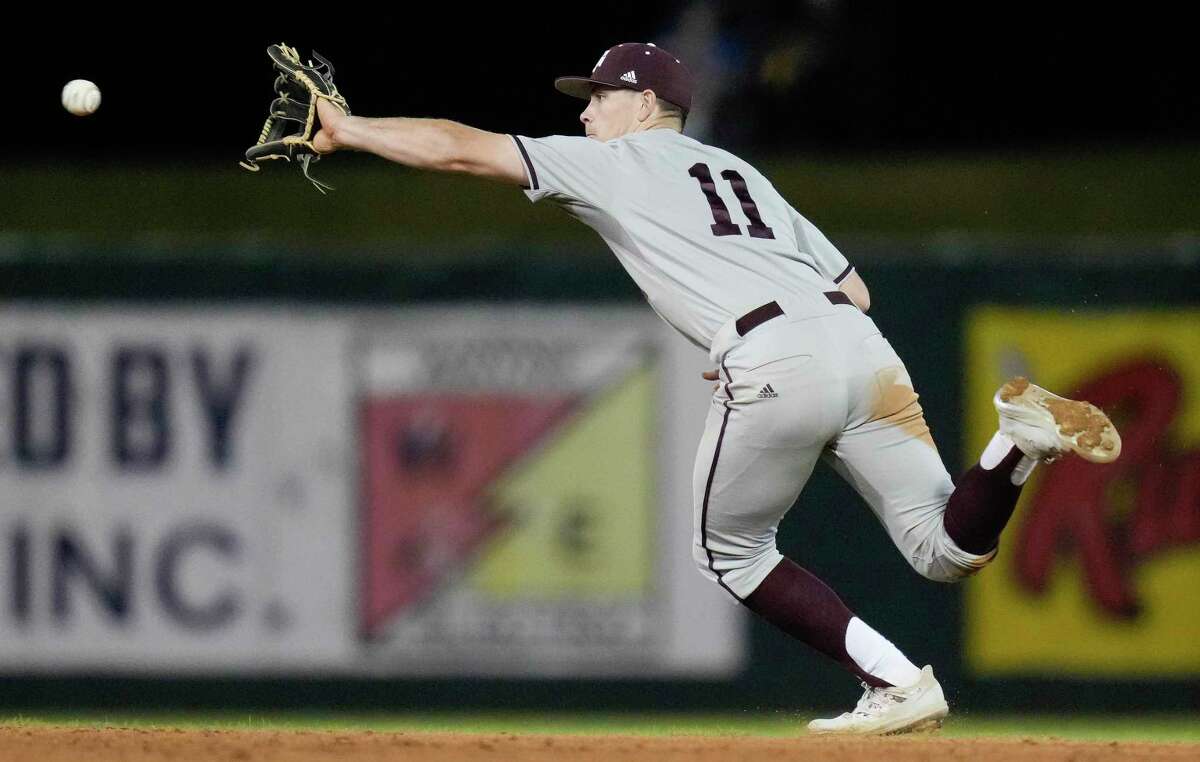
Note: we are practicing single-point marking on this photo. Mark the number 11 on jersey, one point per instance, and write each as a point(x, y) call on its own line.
point(723, 224)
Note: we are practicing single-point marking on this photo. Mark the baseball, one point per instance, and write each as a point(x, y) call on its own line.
point(81, 97)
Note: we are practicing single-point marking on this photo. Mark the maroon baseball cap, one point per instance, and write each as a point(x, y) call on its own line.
point(635, 66)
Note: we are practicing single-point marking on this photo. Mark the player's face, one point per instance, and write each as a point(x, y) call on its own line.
point(611, 112)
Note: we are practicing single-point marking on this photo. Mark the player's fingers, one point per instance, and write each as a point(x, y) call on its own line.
point(711, 375)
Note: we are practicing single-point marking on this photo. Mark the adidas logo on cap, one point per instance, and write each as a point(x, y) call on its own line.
point(630, 77)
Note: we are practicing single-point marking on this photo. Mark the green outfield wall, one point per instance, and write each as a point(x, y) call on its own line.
point(945, 303)
point(1068, 190)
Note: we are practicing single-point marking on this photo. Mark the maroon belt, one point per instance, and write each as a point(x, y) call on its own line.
point(759, 315)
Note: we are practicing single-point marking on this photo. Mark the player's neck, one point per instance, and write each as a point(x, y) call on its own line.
point(667, 123)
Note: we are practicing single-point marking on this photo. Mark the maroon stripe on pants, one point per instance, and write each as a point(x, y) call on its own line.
point(712, 471)
point(790, 597)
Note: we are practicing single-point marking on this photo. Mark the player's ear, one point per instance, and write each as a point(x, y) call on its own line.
point(647, 105)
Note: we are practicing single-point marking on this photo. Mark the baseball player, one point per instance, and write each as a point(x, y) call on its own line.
point(802, 372)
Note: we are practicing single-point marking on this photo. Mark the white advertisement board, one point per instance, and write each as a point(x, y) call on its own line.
point(460, 491)
point(175, 489)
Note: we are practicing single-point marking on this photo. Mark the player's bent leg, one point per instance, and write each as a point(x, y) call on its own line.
point(892, 462)
point(753, 460)
point(939, 558)
point(949, 532)
point(986, 496)
point(895, 467)
point(744, 485)
point(1035, 426)
point(756, 454)
point(903, 481)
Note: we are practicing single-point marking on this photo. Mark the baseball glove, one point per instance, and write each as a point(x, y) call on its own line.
point(292, 119)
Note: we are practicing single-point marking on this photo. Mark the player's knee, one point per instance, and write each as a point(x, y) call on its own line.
point(940, 560)
point(738, 568)
point(941, 571)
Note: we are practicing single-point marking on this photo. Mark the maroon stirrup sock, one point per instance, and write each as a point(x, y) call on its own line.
point(801, 605)
point(981, 505)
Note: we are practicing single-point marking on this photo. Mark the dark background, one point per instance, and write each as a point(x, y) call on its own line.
point(810, 87)
point(849, 76)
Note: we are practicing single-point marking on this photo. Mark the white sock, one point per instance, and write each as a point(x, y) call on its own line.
point(997, 449)
point(875, 655)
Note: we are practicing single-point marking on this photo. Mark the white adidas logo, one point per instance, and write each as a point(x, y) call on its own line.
point(630, 77)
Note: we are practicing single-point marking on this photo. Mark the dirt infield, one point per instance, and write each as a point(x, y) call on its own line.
point(50, 744)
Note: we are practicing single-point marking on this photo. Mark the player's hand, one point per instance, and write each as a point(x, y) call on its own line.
point(712, 375)
point(331, 116)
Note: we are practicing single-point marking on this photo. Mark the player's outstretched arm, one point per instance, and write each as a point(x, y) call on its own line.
point(434, 144)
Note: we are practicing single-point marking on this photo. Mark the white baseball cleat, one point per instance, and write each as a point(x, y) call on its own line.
point(882, 711)
point(1044, 425)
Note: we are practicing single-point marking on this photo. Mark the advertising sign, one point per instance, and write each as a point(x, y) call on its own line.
point(1098, 569)
point(433, 492)
point(173, 490)
point(512, 507)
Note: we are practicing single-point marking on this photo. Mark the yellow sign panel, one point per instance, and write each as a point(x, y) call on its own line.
point(1099, 569)
point(582, 507)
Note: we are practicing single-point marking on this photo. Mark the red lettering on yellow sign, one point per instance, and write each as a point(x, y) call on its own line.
point(1118, 515)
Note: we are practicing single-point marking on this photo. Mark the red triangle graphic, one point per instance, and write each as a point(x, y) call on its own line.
point(429, 461)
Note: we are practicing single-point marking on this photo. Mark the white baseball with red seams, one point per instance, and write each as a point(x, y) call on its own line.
point(81, 97)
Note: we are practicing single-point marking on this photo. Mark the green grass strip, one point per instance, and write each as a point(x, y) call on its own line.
point(1147, 728)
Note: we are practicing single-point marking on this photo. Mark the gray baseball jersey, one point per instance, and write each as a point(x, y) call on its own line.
point(705, 236)
point(708, 239)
